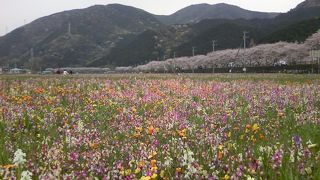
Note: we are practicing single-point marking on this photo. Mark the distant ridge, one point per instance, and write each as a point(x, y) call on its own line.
point(309, 3)
point(198, 12)
point(118, 35)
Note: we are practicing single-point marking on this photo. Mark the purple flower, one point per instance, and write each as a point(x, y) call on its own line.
point(74, 156)
point(297, 140)
point(277, 159)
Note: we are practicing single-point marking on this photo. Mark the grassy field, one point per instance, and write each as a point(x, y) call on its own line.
point(149, 126)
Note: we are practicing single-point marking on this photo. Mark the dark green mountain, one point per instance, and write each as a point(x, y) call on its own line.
point(198, 12)
point(117, 35)
point(296, 25)
point(94, 31)
point(295, 32)
point(227, 35)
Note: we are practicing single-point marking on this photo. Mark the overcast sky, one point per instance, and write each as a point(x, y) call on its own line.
point(15, 13)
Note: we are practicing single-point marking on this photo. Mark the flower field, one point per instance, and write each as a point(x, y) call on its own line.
point(160, 127)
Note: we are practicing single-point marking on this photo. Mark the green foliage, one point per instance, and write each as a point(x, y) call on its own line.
point(294, 32)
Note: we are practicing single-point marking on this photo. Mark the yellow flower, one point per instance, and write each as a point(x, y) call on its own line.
point(137, 171)
point(122, 173)
point(162, 174)
point(127, 172)
point(152, 154)
point(154, 176)
point(255, 127)
point(154, 169)
point(145, 178)
point(226, 177)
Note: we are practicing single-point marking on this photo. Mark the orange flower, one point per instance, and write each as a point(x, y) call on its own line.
point(93, 145)
point(261, 136)
point(153, 163)
point(280, 114)
point(8, 166)
point(137, 135)
point(150, 130)
point(26, 98)
point(39, 90)
point(141, 164)
point(182, 133)
point(138, 129)
point(178, 170)
point(220, 154)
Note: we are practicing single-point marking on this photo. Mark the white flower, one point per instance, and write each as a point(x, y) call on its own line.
point(292, 153)
point(26, 175)
point(80, 125)
point(19, 157)
point(168, 162)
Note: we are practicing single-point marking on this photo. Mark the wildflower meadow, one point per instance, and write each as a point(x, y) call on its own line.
point(160, 127)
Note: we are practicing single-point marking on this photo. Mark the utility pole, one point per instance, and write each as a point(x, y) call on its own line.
point(244, 44)
point(69, 29)
point(213, 45)
point(244, 39)
point(174, 62)
point(193, 48)
point(31, 58)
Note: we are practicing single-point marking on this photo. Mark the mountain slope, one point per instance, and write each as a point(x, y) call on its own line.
point(94, 31)
point(299, 32)
point(196, 13)
point(227, 35)
point(117, 35)
point(293, 26)
point(309, 3)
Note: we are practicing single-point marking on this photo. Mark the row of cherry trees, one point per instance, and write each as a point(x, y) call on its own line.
point(261, 55)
